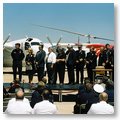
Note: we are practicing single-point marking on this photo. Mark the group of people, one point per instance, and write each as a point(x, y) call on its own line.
point(57, 60)
point(21, 105)
point(97, 98)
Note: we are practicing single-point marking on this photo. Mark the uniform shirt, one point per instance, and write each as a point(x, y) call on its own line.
point(101, 108)
point(51, 58)
point(18, 107)
point(44, 107)
point(17, 55)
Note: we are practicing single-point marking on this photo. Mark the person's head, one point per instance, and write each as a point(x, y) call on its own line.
point(104, 79)
point(50, 49)
point(109, 85)
point(19, 94)
point(89, 87)
point(30, 51)
point(107, 46)
point(86, 81)
point(92, 49)
point(44, 80)
point(17, 45)
point(103, 96)
point(45, 95)
point(69, 47)
point(80, 47)
point(41, 46)
point(41, 85)
point(101, 49)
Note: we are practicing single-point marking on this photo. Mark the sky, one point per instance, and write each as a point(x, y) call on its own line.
point(96, 19)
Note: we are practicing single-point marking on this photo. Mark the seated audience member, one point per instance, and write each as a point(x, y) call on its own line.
point(14, 85)
point(19, 105)
point(81, 97)
point(45, 107)
point(102, 107)
point(110, 90)
point(87, 96)
point(97, 89)
point(37, 94)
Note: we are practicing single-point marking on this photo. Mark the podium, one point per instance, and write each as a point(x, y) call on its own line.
point(101, 71)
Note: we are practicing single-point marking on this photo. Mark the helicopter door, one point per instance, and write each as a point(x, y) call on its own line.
point(27, 45)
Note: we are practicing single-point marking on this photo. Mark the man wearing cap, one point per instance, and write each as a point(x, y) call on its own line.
point(80, 62)
point(93, 97)
point(40, 62)
point(70, 62)
point(17, 56)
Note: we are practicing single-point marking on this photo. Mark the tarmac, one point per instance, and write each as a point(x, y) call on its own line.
point(63, 107)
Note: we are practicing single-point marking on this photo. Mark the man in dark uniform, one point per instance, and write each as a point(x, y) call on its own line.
point(91, 62)
point(40, 62)
point(80, 62)
point(17, 56)
point(108, 54)
point(102, 57)
point(70, 62)
point(109, 57)
point(60, 65)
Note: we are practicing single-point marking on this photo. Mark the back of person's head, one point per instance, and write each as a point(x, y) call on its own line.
point(45, 94)
point(89, 87)
point(104, 79)
point(103, 96)
point(41, 84)
point(109, 85)
point(19, 94)
point(44, 80)
point(86, 81)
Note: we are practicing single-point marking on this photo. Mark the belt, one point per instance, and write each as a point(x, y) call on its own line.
point(49, 63)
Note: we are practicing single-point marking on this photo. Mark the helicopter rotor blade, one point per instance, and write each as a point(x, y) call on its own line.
point(49, 40)
point(76, 33)
point(6, 39)
point(62, 30)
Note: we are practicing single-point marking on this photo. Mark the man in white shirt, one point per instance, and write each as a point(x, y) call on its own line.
point(19, 105)
point(51, 60)
point(102, 107)
point(45, 107)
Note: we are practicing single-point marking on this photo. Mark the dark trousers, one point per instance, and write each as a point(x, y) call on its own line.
point(108, 66)
point(51, 73)
point(90, 74)
point(79, 69)
point(71, 75)
point(17, 65)
point(40, 71)
point(60, 70)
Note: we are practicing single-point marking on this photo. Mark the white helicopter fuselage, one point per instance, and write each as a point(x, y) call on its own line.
point(25, 44)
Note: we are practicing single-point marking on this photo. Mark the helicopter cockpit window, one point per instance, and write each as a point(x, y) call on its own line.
point(27, 45)
point(35, 43)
